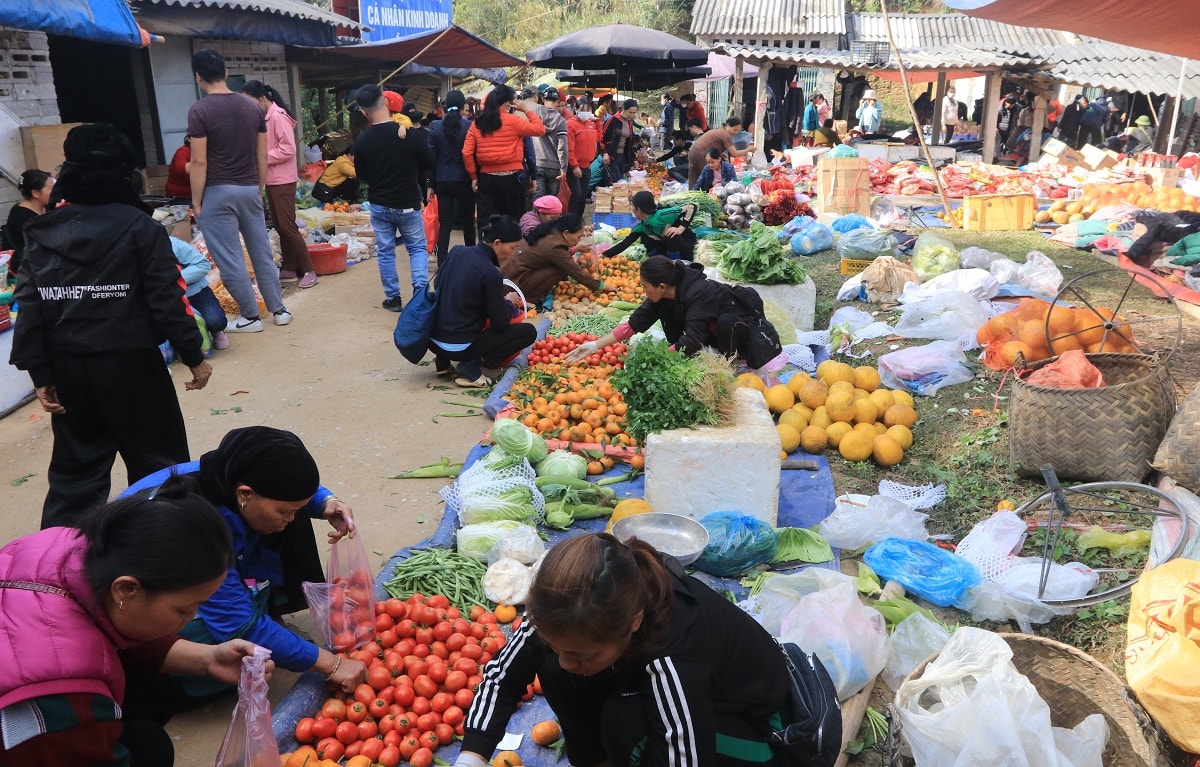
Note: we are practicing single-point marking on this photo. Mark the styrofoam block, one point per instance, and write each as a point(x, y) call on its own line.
point(694, 472)
point(798, 302)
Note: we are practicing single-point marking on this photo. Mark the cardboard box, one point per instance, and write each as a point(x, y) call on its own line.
point(843, 186)
point(998, 212)
point(43, 145)
point(181, 229)
point(841, 126)
point(1062, 153)
point(1095, 158)
point(1161, 177)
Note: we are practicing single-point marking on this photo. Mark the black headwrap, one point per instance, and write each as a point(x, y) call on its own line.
point(273, 463)
point(99, 167)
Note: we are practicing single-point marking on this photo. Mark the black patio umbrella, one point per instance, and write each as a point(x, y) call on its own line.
point(633, 80)
point(618, 47)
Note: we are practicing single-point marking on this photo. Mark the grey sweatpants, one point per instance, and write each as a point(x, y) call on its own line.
point(227, 210)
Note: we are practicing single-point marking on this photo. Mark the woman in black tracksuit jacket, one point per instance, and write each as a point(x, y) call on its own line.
point(642, 664)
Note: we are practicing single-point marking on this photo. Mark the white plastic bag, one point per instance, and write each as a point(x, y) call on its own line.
point(977, 283)
point(522, 544)
point(859, 520)
point(949, 316)
point(1006, 271)
point(925, 369)
point(1073, 580)
point(915, 639)
point(1040, 275)
point(972, 708)
point(781, 593)
point(850, 638)
point(991, 543)
point(978, 258)
point(249, 740)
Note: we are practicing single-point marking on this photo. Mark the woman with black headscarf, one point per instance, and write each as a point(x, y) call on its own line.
point(266, 485)
point(99, 290)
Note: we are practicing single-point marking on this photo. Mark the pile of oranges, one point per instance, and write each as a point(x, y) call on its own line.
point(340, 207)
point(1097, 196)
point(1037, 329)
point(617, 271)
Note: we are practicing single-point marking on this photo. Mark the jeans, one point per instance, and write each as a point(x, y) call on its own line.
point(386, 222)
point(456, 205)
point(207, 306)
point(227, 210)
point(546, 183)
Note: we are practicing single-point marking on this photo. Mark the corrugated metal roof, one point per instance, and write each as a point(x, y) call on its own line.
point(772, 18)
point(936, 30)
point(954, 57)
point(289, 8)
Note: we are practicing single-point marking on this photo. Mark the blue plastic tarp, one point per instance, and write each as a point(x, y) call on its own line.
point(805, 498)
point(102, 21)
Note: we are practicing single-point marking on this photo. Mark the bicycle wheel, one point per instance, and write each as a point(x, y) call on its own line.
point(1116, 507)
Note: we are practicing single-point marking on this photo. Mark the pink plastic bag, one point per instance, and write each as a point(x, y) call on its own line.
point(343, 608)
point(250, 741)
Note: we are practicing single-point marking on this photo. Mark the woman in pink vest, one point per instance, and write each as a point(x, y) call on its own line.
point(88, 622)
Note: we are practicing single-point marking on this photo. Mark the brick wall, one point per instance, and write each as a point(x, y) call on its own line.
point(26, 90)
point(254, 61)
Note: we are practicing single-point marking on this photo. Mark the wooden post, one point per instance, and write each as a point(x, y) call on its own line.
point(322, 105)
point(735, 97)
point(937, 179)
point(936, 117)
point(1039, 122)
point(991, 100)
point(760, 111)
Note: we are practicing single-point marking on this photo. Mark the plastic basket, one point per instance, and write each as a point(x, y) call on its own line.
point(615, 220)
point(328, 259)
point(852, 266)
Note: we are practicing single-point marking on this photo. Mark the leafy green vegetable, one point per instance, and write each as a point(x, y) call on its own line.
point(658, 386)
point(759, 259)
point(485, 504)
point(475, 541)
point(512, 435)
point(704, 202)
point(562, 463)
point(896, 609)
point(798, 544)
point(867, 581)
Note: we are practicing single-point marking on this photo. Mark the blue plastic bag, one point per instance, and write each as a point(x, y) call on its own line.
point(813, 240)
point(843, 150)
point(850, 222)
point(795, 226)
point(932, 573)
point(736, 542)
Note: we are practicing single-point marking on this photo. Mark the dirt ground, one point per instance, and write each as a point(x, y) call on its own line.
point(334, 378)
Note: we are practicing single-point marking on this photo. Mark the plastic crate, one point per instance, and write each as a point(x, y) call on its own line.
point(852, 266)
point(328, 259)
point(862, 52)
point(998, 212)
point(615, 220)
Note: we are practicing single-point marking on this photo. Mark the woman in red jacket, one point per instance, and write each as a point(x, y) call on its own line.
point(583, 142)
point(494, 150)
point(179, 184)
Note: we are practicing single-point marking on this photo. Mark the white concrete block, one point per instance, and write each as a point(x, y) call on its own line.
point(798, 302)
point(695, 472)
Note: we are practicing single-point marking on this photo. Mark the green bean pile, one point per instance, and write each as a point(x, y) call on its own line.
point(592, 324)
point(441, 571)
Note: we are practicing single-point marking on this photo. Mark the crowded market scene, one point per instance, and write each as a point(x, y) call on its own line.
point(712, 383)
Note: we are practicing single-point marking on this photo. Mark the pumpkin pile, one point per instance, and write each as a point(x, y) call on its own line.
point(1036, 330)
point(842, 408)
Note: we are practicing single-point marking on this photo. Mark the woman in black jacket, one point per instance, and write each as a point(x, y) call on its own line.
point(695, 311)
point(99, 290)
point(641, 663)
point(474, 323)
point(617, 139)
point(450, 182)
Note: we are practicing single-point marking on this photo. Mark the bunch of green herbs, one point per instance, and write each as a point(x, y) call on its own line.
point(666, 390)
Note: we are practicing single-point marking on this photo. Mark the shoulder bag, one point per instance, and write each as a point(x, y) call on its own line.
point(761, 344)
point(813, 735)
point(414, 326)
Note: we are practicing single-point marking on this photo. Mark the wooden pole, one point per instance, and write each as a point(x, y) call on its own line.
point(937, 179)
point(760, 111)
point(991, 97)
point(1178, 103)
point(1039, 122)
point(735, 98)
point(936, 120)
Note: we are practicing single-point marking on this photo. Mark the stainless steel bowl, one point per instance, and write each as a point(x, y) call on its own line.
point(679, 536)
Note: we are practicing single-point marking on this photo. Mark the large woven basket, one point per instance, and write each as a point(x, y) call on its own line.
point(1178, 455)
point(1075, 685)
point(1109, 433)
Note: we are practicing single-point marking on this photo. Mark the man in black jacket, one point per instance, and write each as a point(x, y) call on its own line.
point(391, 163)
point(99, 290)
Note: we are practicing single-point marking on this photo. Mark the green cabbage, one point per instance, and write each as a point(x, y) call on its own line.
point(799, 544)
point(483, 504)
point(475, 541)
point(497, 460)
point(562, 463)
point(515, 439)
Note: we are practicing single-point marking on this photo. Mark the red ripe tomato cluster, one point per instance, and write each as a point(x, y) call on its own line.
point(423, 670)
point(352, 610)
point(555, 349)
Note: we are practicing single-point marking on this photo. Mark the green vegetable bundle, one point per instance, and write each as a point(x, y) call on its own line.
point(440, 571)
point(704, 202)
point(666, 390)
point(596, 324)
point(759, 259)
point(799, 545)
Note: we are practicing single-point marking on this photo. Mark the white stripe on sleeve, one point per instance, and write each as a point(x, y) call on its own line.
point(675, 714)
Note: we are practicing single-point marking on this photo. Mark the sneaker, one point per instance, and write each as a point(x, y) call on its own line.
point(220, 340)
point(308, 280)
point(393, 304)
point(482, 382)
point(245, 325)
point(287, 275)
point(283, 317)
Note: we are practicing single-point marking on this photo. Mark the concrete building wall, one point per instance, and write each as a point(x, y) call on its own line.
point(27, 94)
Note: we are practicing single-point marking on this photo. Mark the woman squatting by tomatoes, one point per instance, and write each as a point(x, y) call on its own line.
point(641, 663)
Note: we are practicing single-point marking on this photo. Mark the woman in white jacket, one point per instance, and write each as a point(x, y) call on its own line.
point(869, 114)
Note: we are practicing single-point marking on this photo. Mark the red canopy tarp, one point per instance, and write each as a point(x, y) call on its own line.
point(1166, 26)
point(455, 48)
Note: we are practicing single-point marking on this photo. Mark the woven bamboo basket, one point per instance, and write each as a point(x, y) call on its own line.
point(1178, 454)
point(1075, 685)
point(1109, 433)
